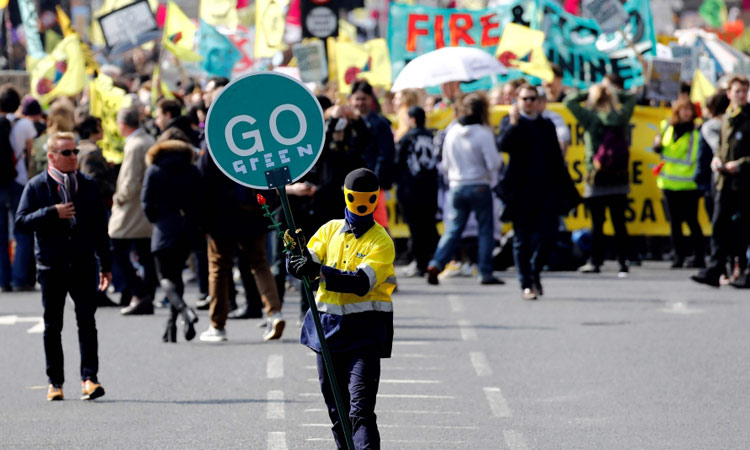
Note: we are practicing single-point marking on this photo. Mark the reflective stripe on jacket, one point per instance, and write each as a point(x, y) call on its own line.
point(679, 157)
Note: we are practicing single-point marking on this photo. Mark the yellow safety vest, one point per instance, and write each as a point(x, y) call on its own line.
point(372, 252)
point(678, 172)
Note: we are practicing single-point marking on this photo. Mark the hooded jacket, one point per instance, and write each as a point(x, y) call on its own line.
point(735, 146)
point(469, 155)
point(172, 195)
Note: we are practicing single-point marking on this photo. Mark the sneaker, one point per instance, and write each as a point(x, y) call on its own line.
point(452, 269)
point(589, 268)
point(213, 335)
point(275, 327)
point(411, 271)
point(91, 390)
point(432, 275)
point(203, 303)
point(528, 294)
point(705, 278)
point(623, 271)
point(54, 393)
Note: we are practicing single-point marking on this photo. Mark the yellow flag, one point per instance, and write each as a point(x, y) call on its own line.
point(701, 89)
point(105, 100)
point(159, 88)
point(347, 31)
point(369, 61)
point(64, 22)
point(516, 43)
point(270, 25)
point(61, 73)
point(179, 34)
point(3, 4)
point(220, 12)
point(331, 44)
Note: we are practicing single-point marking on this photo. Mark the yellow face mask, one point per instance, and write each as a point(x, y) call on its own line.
point(361, 203)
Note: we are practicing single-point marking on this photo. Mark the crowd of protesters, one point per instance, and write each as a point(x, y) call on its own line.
point(167, 205)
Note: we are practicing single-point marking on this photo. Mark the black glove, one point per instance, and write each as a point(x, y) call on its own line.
point(301, 265)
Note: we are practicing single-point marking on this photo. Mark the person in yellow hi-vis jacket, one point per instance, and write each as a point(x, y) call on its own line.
point(353, 257)
point(677, 143)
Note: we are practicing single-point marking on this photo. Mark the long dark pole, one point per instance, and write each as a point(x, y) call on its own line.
point(327, 361)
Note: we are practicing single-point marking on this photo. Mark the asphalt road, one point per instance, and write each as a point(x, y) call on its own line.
point(651, 361)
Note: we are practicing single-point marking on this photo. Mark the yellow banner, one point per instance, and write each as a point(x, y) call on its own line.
point(105, 101)
point(646, 214)
point(270, 24)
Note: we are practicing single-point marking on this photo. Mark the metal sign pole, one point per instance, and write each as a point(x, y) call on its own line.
point(327, 361)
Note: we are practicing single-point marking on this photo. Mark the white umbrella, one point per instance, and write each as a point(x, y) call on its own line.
point(447, 64)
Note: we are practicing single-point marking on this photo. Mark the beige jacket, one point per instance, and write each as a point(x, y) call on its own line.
point(128, 220)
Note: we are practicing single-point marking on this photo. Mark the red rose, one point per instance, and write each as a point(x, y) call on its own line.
point(261, 200)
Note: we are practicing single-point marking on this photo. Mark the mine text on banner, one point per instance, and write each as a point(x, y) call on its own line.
point(646, 214)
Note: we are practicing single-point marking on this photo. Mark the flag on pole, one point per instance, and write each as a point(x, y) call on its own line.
point(521, 47)
point(369, 61)
point(220, 12)
point(30, 19)
point(106, 100)
point(88, 56)
point(218, 52)
point(701, 88)
point(270, 25)
point(61, 73)
point(714, 12)
point(179, 34)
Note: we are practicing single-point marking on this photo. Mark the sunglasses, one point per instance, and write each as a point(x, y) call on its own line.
point(68, 152)
point(529, 99)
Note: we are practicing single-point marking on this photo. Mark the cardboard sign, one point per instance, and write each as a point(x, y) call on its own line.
point(664, 83)
point(689, 58)
point(320, 18)
point(311, 61)
point(129, 27)
point(608, 14)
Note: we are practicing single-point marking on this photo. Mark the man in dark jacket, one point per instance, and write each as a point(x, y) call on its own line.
point(64, 210)
point(732, 166)
point(536, 187)
point(417, 178)
point(168, 114)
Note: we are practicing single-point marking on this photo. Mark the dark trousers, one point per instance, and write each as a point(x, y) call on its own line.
point(420, 217)
point(200, 251)
point(81, 284)
point(142, 288)
point(731, 228)
point(169, 265)
point(682, 207)
point(358, 376)
point(531, 248)
point(617, 204)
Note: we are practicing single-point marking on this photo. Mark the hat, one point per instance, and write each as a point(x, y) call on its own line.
point(30, 107)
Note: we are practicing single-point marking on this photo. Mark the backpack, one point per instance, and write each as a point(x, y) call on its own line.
point(7, 155)
point(611, 159)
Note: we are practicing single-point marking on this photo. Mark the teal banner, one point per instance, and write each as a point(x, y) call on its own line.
point(576, 44)
point(30, 21)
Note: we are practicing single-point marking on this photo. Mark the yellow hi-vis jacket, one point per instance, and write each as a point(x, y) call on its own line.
point(373, 252)
point(680, 160)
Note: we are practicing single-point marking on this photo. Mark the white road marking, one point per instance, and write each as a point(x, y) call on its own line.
point(481, 364)
point(468, 333)
point(680, 308)
point(8, 320)
point(275, 366)
point(438, 397)
point(276, 440)
point(388, 411)
point(498, 405)
point(455, 302)
point(275, 405)
point(14, 319)
point(38, 328)
point(514, 439)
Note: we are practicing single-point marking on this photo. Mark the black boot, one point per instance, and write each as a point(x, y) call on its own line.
point(188, 319)
point(170, 332)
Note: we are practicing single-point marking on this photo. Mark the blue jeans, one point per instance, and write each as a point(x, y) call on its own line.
point(531, 248)
point(358, 376)
point(22, 271)
point(461, 202)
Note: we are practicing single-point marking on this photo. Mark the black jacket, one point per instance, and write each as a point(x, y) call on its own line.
point(231, 210)
point(172, 196)
point(182, 123)
point(59, 244)
point(416, 167)
point(536, 184)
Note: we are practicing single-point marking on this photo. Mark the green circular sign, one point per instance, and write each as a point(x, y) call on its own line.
point(263, 128)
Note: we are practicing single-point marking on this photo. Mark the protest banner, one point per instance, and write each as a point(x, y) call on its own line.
point(311, 61)
point(646, 214)
point(128, 27)
point(608, 14)
point(106, 100)
point(269, 27)
point(688, 56)
point(585, 53)
point(368, 61)
point(320, 18)
point(664, 80)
